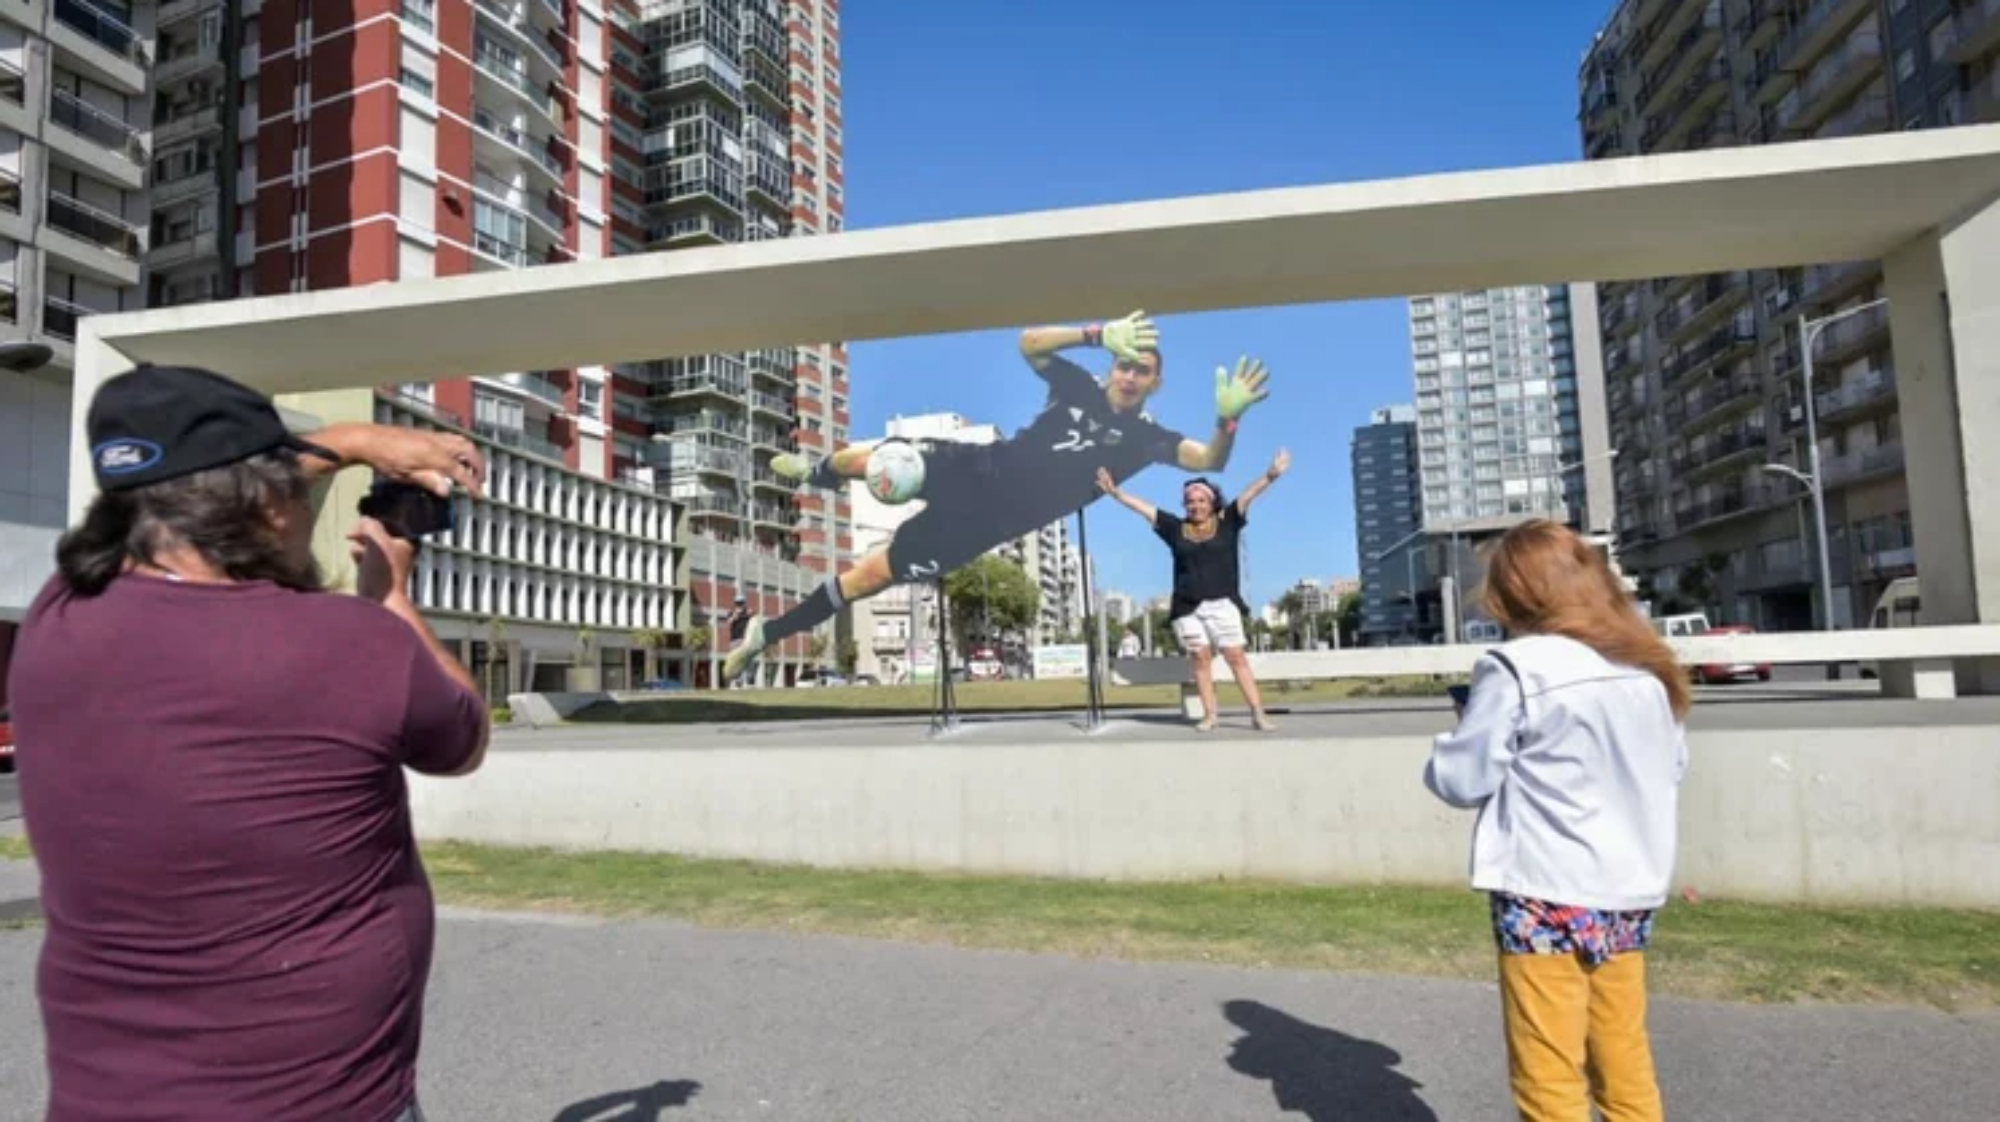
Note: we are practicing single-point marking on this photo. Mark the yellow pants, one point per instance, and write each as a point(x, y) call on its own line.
point(1576, 1035)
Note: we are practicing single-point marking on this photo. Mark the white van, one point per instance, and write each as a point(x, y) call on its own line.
point(1681, 626)
point(1900, 605)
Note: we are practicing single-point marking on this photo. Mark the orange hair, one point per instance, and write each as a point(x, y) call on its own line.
point(1541, 578)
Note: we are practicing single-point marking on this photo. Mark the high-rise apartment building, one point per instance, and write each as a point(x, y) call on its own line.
point(1705, 372)
point(75, 153)
point(726, 127)
point(239, 149)
point(1497, 403)
point(1388, 522)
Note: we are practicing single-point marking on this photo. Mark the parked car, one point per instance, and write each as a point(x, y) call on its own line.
point(1711, 673)
point(6, 742)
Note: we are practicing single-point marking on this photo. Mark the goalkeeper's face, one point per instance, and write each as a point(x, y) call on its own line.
point(1132, 381)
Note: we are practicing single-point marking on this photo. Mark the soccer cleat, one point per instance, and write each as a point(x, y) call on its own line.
point(792, 465)
point(746, 651)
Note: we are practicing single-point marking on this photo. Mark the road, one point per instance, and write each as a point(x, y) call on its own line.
point(575, 1021)
point(10, 803)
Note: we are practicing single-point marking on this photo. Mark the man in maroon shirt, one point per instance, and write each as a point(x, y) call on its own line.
point(212, 753)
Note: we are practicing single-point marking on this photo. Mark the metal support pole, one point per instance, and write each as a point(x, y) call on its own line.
point(1093, 714)
point(944, 718)
point(1806, 336)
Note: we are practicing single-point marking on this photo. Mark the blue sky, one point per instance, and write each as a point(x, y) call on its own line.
point(974, 107)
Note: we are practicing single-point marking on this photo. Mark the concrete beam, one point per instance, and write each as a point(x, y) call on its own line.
point(1770, 205)
point(1890, 645)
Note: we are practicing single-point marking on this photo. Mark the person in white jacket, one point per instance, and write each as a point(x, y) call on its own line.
point(1571, 746)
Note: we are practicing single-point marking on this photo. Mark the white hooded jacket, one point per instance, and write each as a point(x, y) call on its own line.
point(1575, 769)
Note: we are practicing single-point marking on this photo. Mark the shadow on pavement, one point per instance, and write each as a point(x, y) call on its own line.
point(641, 1104)
point(1325, 1075)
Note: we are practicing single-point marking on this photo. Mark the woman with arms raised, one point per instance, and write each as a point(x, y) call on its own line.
point(1207, 608)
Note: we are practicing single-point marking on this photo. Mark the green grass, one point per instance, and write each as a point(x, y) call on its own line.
point(13, 848)
point(1711, 949)
point(1723, 950)
point(971, 697)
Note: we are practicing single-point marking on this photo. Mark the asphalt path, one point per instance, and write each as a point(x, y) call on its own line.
point(10, 803)
point(579, 1021)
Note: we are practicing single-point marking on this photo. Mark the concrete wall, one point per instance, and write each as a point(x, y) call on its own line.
point(1885, 816)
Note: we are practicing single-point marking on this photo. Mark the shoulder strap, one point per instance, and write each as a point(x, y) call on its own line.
point(1503, 660)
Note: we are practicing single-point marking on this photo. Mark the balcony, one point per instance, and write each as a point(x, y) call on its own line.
point(91, 123)
point(1716, 448)
point(771, 362)
point(775, 405)
point(1708, 86)
point(86, 222)
point(1820, 26)
point(1713, 399)
point(186, 125)
point(1694, 46)
point(696, 179)
point(769, 179)
point(189, 59)
point(1868, 114)
point(1874, 388)
point(13, 84)
point(1825, 284)
point(1842, 340)
point(509, 253)
point(706, 67)
point(505, 68)
point(1974, 33)
point(728, 386)
point(1855, 467)
point(1659, 37)
point(535, 385)
point(1724, 343)
point(492, 126)
point(1698, 307)
point(173, 254)
point(10, 192)
point(696, 229)
point(1831, 81)
point(168, 191)
point(1759, 24)
point(97, 30)
point(60, 317)
point(513, 21)
point(518, 440)
point(1728, 502)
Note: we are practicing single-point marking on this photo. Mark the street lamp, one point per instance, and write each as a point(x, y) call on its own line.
point(1409, 568)
point(1812, 477)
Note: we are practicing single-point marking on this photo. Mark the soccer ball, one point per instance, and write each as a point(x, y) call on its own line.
point(895, 472)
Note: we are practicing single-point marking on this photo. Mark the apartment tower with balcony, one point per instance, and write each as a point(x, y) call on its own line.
point(725, 128)
point(1705, 373)
point(74, 154)
point(304, 147)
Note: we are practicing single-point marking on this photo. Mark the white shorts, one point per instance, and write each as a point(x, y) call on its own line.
point(1213, 623)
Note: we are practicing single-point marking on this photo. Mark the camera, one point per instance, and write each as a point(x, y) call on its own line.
point(407, 510)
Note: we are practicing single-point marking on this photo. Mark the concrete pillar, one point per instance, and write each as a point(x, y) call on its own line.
point(1944, 315)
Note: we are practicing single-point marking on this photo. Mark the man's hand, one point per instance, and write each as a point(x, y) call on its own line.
point(1131, 336)
point(434, 461)
point(1279, 464)
point(382, 561)
point(1105, 483)
point(1235, 394)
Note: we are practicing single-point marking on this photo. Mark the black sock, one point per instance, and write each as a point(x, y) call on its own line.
point(823, 476)
point(811, 612)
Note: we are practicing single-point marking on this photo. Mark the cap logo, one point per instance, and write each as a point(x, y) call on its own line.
point(126, 455)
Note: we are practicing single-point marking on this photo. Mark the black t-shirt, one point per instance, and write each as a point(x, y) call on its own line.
point(1049, 468)
point(1203, 570)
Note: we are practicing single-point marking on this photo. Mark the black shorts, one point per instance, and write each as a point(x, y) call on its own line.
point(965, 514)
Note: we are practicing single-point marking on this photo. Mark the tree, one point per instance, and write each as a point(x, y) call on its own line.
point(1350, 619)
point(496, 639)
point(651, 640)
point(1164, 641)
point(991, 596)
point(850, 657)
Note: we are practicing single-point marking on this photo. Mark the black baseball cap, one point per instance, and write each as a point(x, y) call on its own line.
point(155, 423)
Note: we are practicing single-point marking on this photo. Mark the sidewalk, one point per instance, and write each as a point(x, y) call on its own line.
point(577, 1021)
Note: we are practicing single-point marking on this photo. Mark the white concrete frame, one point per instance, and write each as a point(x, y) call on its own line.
point(1920, 201)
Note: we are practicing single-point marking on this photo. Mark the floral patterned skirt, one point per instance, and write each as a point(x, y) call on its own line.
point(1526, 926)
